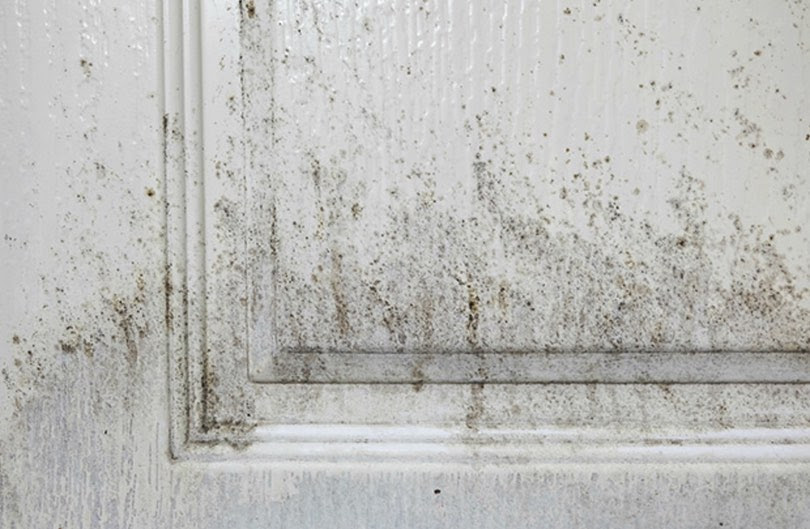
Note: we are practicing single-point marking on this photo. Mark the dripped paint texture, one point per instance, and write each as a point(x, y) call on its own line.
point(83, 397)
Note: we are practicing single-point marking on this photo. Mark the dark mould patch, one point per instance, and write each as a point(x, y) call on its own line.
point(125, 323)
point(168, 289)
point(420, 379)
point(473, 303)
point(315, 171)
point(74, 341)
point(418, 374)
point(209, 398)
point(250, 8)
point(130, 319)
point(357, 209)
point(86, 67)
point(172, 133)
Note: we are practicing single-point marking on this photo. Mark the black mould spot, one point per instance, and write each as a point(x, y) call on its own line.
point(86, 66)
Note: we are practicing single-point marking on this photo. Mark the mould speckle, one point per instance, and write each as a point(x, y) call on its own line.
point(378, 188)
point(473, 303)
point(339, 297)
point(250, 8)
point(475, 408)
point(357, 209)
point(87, 67)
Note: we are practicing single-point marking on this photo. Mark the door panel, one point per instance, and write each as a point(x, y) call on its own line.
point(404, 263)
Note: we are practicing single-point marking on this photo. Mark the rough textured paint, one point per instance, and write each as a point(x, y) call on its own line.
point(85, 411)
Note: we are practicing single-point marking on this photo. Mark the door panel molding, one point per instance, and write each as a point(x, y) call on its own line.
point(226, 363)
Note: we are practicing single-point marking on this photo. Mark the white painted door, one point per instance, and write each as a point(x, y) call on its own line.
point(404, 263)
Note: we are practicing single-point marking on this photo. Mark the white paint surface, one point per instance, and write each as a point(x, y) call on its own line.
point(94, 429)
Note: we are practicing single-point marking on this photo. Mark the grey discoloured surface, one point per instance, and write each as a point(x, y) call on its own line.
point(436, 181)
point(84, 405)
